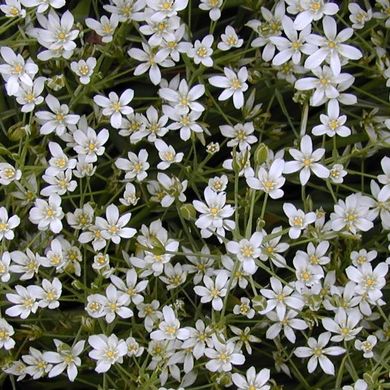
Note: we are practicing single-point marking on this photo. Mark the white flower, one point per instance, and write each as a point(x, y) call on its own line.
point(113, 227)
point(202, 51)
point(59, 184)
point(57, 34)
point(344, 324)
point(6, 331)
point(385, 164)
point(90, 144)
point(269, 181)
point(294, 45)
point(84, 69)
point(332, 123)
point(5, 260)
point(331, 47)
point(13, 9)
point(337, 173)
point(165, 8)
point(252, 380)
point(287, 322)
point(59, 161)
point(58, 120)
point(310, 10)
point(186, 122)
point(107, 351)
point(47, 214)
point(362, 257)
point(241, 134)
point(358, 16)
point(159, 31)
point(24, 300)
point(213, 291)
point(352, 214)
point(129, 196)
point(135, 166)
point(272, 248)
point(244, 308)
point(115, 106)
point(30, 96)
point(7, 224)
point(172, 189)
point(369, 282)
point(318, 353)
point(382, 203)
point(306, 161)
point(280, 298)
point(115, 303)
point(105, 28)
point(183, 98)
point(173, 45)
point(133, 347)
point(153, 126)
point(297, 219)
point(16, 70)
point(66, 357)
point(131, 287)
point(150, 61)
point(37, 366)
point(218, 184)
point(270, 27)
point(213, 6)
point(26, 263)
point(49, 293)
point(222, 356)
point(307, 274)
point(8, 174)
point(43, 5)
point(247, 251)
point(326, 85)
point(126, 10)
point(360, 384)
point(214, 214)
point(95, 235)
point(169, 328)
point(234, 84)
point(229, 40)
point(167, 154)
point(366, 346)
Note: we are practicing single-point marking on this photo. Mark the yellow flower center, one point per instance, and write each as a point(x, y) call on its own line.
point(3, 334)
point(296, 45)
point(3, 227)
point(107, 28)
point(9, 173)
point(94, 306)
point(214, 211)
point(116, 106)
point(137, 167)
point(315, 6)
point(170, 330)
point(84, 70)
point(298, 221)
point(14, 11)
point(247, 251)
point(49, 212)
point(202, 52)
point(17, 69)
point(231, 40)
point(235, 83)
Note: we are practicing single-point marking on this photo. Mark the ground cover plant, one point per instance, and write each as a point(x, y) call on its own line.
point(194, 194)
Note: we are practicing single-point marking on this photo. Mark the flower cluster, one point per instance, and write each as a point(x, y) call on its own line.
point(195, 194)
